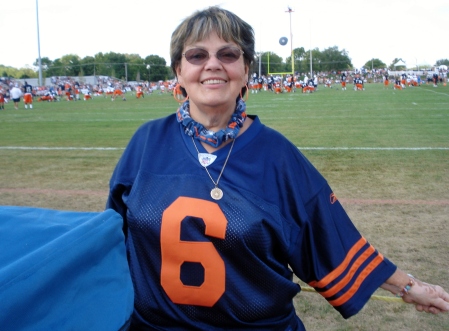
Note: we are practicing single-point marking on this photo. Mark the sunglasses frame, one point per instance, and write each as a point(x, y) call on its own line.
point(217, 55)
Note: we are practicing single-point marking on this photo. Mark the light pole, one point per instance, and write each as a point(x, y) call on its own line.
point(260, 62)
point(290, 11)
point(310, 26)
point(126, 72)
point(38, 44)
point(148, 67)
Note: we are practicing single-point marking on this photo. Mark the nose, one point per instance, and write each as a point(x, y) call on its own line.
point(213, 61)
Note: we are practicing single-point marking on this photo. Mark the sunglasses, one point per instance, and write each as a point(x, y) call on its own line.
point(199, 56)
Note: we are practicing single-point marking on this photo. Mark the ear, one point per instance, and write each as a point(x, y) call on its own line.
point(179, 75)
point(245, 78)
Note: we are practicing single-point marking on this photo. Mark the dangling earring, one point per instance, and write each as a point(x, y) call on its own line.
point(177, 91)
point(246, 98)
point(175, 96)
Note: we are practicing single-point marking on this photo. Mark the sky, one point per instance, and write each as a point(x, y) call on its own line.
point(415, 31)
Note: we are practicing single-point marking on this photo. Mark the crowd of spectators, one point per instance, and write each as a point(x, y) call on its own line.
point(76, 88)
point(309, 82)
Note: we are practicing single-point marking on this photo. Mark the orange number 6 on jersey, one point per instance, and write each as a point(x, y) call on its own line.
point(175, 252)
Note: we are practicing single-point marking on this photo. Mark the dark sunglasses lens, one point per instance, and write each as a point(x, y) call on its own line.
point(228, 54)
point(196, 55)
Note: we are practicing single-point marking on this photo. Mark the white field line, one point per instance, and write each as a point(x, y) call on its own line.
point(300, 148)
point(434, 91)
point(376, 148)
point(104, 193)
point(61, 148)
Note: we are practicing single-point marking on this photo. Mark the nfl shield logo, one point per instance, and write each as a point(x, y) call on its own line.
point(206, 159)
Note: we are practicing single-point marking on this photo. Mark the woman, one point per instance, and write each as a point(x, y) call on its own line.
point(216, 226)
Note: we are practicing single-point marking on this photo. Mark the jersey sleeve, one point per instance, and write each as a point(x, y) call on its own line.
point(335, 258)
point(325, 249)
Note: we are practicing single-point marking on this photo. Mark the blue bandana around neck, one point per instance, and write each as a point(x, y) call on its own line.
point(199, 132)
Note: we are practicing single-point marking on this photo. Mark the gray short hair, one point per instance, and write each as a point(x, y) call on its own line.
point(200, 24)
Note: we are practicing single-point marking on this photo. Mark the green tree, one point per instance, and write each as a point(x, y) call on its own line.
point(71, 64)
point(135, 66)
point(312, 58)
point(333, 59)
point(156, 68)
point(25, 72)
point(115, 63)
point(272, 63)
point(299, 54)
point(57, 68)
point(442, 62)
point(9, 71)
point(101, 69)
point(88, 65)
point(375, 64)
point(45, 62)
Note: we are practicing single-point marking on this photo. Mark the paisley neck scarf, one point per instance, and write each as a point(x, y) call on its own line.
point(199, 132)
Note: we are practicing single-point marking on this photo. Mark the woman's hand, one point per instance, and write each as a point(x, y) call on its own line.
point(427, 297)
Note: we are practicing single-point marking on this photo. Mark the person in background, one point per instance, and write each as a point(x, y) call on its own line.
point(343, 80)
point(403, 79)
point(2, 99)
point(15, 94)
point(397, 84)
point(359, 85)
point(220, 210)
point(386, 80)
point(28, 95)
point(435, 78)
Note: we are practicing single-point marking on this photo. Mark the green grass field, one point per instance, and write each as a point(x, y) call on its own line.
point(384, 152)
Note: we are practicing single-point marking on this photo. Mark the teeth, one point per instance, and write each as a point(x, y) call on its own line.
point(214, 81)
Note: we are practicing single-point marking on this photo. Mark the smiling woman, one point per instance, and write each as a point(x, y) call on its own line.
point(212, 83)
point(221, 211)
point(211, 57)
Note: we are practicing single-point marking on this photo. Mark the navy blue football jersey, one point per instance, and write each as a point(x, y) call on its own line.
point(204, 264)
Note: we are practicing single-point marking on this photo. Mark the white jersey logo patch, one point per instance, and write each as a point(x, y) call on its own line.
point(206, 159)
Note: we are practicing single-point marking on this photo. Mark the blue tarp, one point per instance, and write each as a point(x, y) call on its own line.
point(63, 270)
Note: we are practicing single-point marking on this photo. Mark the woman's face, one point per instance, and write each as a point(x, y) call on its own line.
point(213, 83)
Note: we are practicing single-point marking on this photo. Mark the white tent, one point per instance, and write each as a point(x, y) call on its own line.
point(400, 63)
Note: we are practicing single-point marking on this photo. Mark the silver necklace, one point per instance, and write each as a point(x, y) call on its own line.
point(216, 193)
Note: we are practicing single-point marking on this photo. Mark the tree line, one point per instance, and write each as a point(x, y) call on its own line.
point(133, 67)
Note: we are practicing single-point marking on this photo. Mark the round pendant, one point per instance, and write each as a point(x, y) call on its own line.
point(216, 193)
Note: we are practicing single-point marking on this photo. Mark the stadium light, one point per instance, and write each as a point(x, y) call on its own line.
point(290, 11)
point(311, 71)
point(38, 44)
point(148, 67)
point(283, 41)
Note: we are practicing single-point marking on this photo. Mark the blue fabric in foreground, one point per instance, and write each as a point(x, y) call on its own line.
point(63, 270)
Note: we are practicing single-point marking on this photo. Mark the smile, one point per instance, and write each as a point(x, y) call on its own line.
point(214, 81)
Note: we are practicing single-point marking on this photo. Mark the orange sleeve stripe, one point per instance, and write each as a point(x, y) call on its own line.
point(354, 288)
point(342, 267)
point(347, 278)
